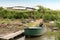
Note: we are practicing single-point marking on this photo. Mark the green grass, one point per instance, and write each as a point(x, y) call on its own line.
point(30, 24)
point(58, 35)
point(4, 21)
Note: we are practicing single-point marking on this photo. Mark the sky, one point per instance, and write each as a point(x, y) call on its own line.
point(52, 4)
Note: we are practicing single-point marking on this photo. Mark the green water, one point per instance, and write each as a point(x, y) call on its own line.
point(37, 38)
point(49, 36)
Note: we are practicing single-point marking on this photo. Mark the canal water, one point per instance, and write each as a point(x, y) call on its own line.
point(37, 38)
point(43, 37)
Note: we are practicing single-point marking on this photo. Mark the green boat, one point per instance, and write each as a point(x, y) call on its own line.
point(34, 31)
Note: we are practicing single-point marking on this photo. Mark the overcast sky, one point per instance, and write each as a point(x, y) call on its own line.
point(53, 4)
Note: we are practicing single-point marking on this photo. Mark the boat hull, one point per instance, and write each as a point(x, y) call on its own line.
point(34, 31)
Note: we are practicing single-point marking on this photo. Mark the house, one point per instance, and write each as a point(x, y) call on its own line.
point(29, 8)
point(21, 8)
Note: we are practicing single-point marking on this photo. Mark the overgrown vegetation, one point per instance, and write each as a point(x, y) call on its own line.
point(45, 13)
point(57, 24)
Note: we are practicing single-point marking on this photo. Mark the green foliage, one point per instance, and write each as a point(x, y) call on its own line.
point(58, 35)
point(58, 38)
point(44, 13)
point(1, 8)
point(57, 24)
point(49, 17)
point(37, 15)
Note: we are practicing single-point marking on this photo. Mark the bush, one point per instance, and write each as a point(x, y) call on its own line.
point(49, 17)
point(57, 24)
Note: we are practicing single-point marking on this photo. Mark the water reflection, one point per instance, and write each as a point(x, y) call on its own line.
point(36, 38)
point(43, 37)
point(33, 38)
point(40, 38)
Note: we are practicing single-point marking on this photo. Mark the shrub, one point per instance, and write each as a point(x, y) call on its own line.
point(49, 17)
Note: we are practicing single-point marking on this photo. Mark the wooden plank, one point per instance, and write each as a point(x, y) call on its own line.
point(12, 35)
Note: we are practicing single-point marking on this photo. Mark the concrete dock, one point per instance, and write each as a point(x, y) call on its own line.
point(11, 35)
